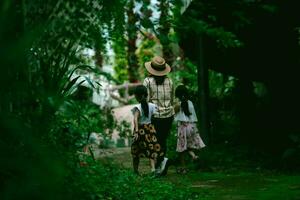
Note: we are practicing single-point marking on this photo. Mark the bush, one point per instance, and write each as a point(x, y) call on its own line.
point(108, 181)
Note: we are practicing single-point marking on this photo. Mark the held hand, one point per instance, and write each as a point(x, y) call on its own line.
point(135, 137)
point(177, 108)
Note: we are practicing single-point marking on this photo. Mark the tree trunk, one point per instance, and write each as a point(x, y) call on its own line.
point(164, 29)
point(246, 103)
point(203, 92)
point(131, 43)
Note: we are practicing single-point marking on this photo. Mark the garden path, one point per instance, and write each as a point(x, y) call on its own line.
point(221, 185)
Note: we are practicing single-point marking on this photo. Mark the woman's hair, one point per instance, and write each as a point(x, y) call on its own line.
point(181, 92)
point(141, 92)
point(159, 80)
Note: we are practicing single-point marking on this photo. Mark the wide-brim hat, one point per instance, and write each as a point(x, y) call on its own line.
point(158, 66)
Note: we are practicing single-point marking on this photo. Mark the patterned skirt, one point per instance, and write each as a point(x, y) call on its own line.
point(188, 137)
point(146, 145)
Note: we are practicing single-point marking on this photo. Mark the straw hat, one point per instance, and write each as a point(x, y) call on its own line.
point(157, 66)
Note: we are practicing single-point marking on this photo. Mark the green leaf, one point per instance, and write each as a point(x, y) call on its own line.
point(70, 84)
point(89, 82)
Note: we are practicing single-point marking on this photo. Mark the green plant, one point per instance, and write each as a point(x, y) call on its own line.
point(291, 154)
point(124, 129)
point(98, 181)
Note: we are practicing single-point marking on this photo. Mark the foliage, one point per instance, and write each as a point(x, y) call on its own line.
point(124, 129)
point(75, 121)
point(131, 33)
point(146, 51)
point(120, 184)
point(230, 32)
point(44, 121)
point(187, 75)
point(119, 42)
point(222, 21)
point(41, 127)
point(120, 66)
point(290, 156)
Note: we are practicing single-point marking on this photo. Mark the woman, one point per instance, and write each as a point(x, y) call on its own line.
point(161, 93)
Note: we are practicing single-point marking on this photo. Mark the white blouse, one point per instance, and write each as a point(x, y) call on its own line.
point(144, 119)
point(180, 116)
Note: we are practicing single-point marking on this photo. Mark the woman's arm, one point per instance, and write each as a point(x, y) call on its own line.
point(146, 83)
point(172, 93)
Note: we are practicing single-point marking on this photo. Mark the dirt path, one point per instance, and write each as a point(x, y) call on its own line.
point(216, 185)
point(111, 153)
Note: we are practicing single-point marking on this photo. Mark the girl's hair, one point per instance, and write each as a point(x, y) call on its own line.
point(181, 92)
point(159, 80)
point(141, 91)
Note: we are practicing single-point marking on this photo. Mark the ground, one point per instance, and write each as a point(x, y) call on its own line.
point(221, 185)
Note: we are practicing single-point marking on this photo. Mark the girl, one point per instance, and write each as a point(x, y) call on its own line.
point(145, 143)
point(188, 135)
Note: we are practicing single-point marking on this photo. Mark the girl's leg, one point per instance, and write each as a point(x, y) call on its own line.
point(194, 156)
point(182, 161)
point(135, 162)
point(152, 164)
point(182, 168)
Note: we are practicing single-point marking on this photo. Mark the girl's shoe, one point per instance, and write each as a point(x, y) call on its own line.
point(182, 171)
point(195, 158)
point(154, 174)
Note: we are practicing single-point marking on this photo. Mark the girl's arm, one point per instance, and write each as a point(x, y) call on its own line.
point(172, 93)
point(136, 120)
point(177, 107)
point(192, 110)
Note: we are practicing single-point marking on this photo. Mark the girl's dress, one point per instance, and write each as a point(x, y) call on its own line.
point(146, 145)
point(188, 135)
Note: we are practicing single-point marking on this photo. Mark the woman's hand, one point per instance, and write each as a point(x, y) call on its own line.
point(177, 107)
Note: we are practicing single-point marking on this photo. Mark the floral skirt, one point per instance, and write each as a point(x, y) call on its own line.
point(188, 137)
point(146, 145)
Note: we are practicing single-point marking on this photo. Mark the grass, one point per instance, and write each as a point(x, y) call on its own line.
point(237, 184)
